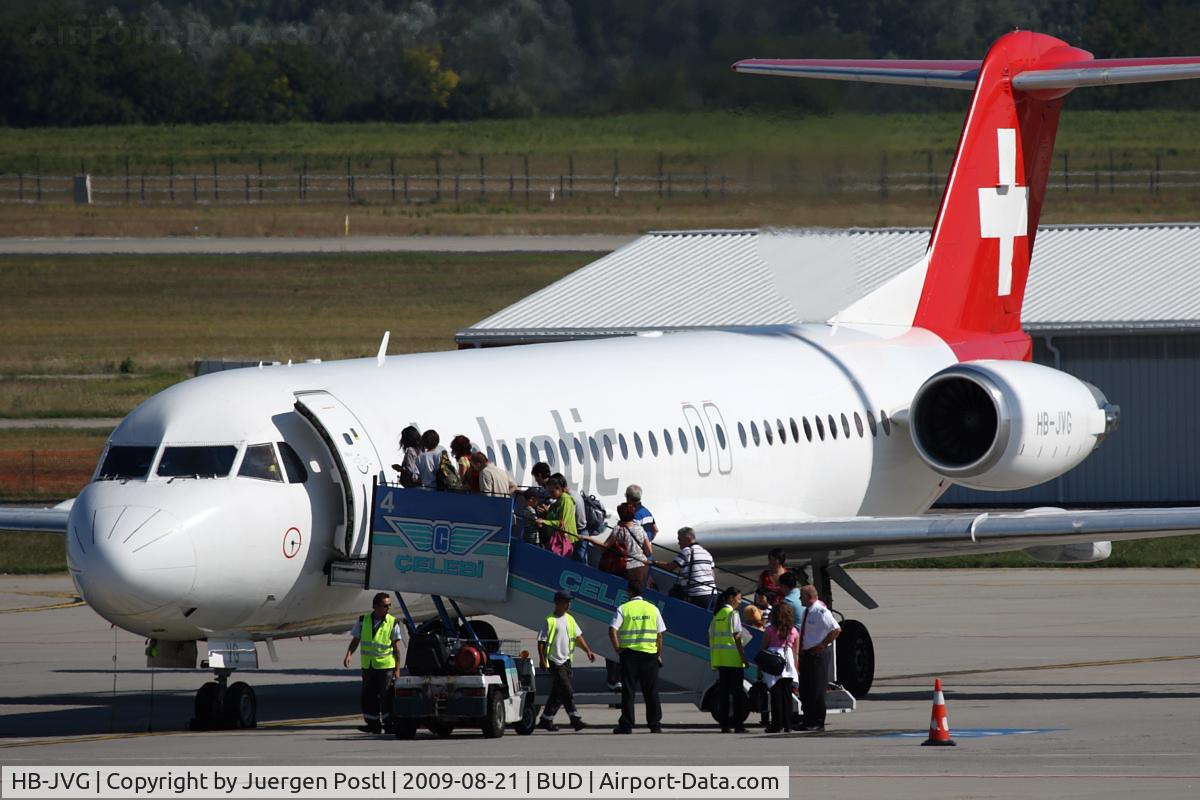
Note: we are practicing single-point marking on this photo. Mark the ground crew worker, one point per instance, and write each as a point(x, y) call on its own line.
point(636, 634)
point(556, 646)
point(380, 638)
point(729, 660)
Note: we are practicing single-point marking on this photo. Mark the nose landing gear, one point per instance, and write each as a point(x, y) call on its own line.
point(221, 706)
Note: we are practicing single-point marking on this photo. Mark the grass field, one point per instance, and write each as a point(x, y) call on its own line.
point(636, 138)
point(595, 215)
point(794, 171)
point(156, 315)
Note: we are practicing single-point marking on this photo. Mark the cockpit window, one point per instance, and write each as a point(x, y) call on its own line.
point(126, 461)
point(296, 473)
point(260, 463)
point(207, 461)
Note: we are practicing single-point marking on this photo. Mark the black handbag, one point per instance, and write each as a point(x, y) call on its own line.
point(770, 663)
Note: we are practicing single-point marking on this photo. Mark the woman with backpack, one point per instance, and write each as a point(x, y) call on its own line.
point(629, 551)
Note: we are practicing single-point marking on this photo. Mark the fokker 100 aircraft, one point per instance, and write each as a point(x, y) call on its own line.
point(828, 439)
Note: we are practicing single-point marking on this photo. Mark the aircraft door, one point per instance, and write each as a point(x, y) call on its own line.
point(702, 439)
point(722, 445)
point(356, 463)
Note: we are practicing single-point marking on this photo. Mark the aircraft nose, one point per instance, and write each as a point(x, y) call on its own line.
point(129, 560)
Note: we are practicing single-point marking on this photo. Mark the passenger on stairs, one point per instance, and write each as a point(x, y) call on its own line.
point(556, 646)
point(768, 580)
point(633, 494)
point(494, 481)
point(560, 515)
point(693, 566)
point(409, 467)
point(525, 527)
point(541, 473)
point(630, 536)
point(577, 498)
point(460, 449)
point(430, 457)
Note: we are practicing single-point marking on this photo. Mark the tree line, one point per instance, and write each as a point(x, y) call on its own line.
point(79, 62)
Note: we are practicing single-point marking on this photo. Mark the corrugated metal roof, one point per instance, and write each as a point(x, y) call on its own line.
point(1097, 277)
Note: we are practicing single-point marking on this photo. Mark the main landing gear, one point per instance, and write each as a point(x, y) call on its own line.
point(220, 705)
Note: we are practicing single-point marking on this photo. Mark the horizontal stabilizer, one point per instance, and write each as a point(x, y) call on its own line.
point(963, 74)
point(1109, 72)
point(938, 74)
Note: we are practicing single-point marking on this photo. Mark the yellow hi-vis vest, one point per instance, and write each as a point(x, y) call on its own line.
point(722, 645)
point(552, 629)
point(376, 647)
point(639, 626)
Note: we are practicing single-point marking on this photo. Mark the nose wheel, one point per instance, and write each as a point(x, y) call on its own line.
point(223, 706)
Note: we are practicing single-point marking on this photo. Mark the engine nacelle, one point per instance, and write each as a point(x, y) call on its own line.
point(1000, 425)
point(1077, 553)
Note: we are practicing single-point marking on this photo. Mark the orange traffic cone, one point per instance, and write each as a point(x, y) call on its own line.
point(939, 724)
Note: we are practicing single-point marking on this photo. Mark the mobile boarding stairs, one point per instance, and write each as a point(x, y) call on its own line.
point(461, 546)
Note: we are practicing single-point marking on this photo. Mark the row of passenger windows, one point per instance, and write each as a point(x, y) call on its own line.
point(552, 451)
point(828, 424)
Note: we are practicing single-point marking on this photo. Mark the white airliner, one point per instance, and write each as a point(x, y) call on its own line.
point(220, 503)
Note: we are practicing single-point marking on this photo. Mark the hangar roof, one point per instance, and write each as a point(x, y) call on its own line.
point(1084, 278)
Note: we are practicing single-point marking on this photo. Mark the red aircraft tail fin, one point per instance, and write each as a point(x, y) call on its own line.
point(970, 286)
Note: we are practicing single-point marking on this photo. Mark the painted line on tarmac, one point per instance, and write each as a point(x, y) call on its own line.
point(1114, 662)
point(971, 733)
point(74, 602)
point(109, 737)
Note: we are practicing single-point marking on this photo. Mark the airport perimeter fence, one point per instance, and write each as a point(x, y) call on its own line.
point(45, 474)
point(532, 180)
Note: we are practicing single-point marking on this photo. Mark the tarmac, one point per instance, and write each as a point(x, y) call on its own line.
point(1059, 682)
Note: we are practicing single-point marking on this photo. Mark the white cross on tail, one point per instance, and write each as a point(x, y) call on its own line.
point(1004, 210)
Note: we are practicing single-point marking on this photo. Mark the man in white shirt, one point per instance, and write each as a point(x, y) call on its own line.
point(556, 647)
point(818, 629)
point(693, 567)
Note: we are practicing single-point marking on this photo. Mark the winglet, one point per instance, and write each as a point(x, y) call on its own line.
point(382, 354)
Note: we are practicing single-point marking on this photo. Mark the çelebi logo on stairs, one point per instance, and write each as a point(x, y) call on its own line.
point(441, 538)
point(598, 591)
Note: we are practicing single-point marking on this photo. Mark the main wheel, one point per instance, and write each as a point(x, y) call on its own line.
point(241, 707)
point(405, 728)
point(708, 702)
point(528, 721)
point(441, 728)
point(493, 723)
point(207, 707)
point(486, 633)
point(855, 659)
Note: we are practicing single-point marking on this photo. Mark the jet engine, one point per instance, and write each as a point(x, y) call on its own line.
point(1000, 425)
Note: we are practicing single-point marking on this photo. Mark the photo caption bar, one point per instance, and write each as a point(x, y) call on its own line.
point(401, 782)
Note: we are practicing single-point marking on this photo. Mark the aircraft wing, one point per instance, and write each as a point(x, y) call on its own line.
point(858, 539)
point(36, 520)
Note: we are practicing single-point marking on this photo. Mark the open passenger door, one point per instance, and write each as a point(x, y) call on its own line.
point(356, 460)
